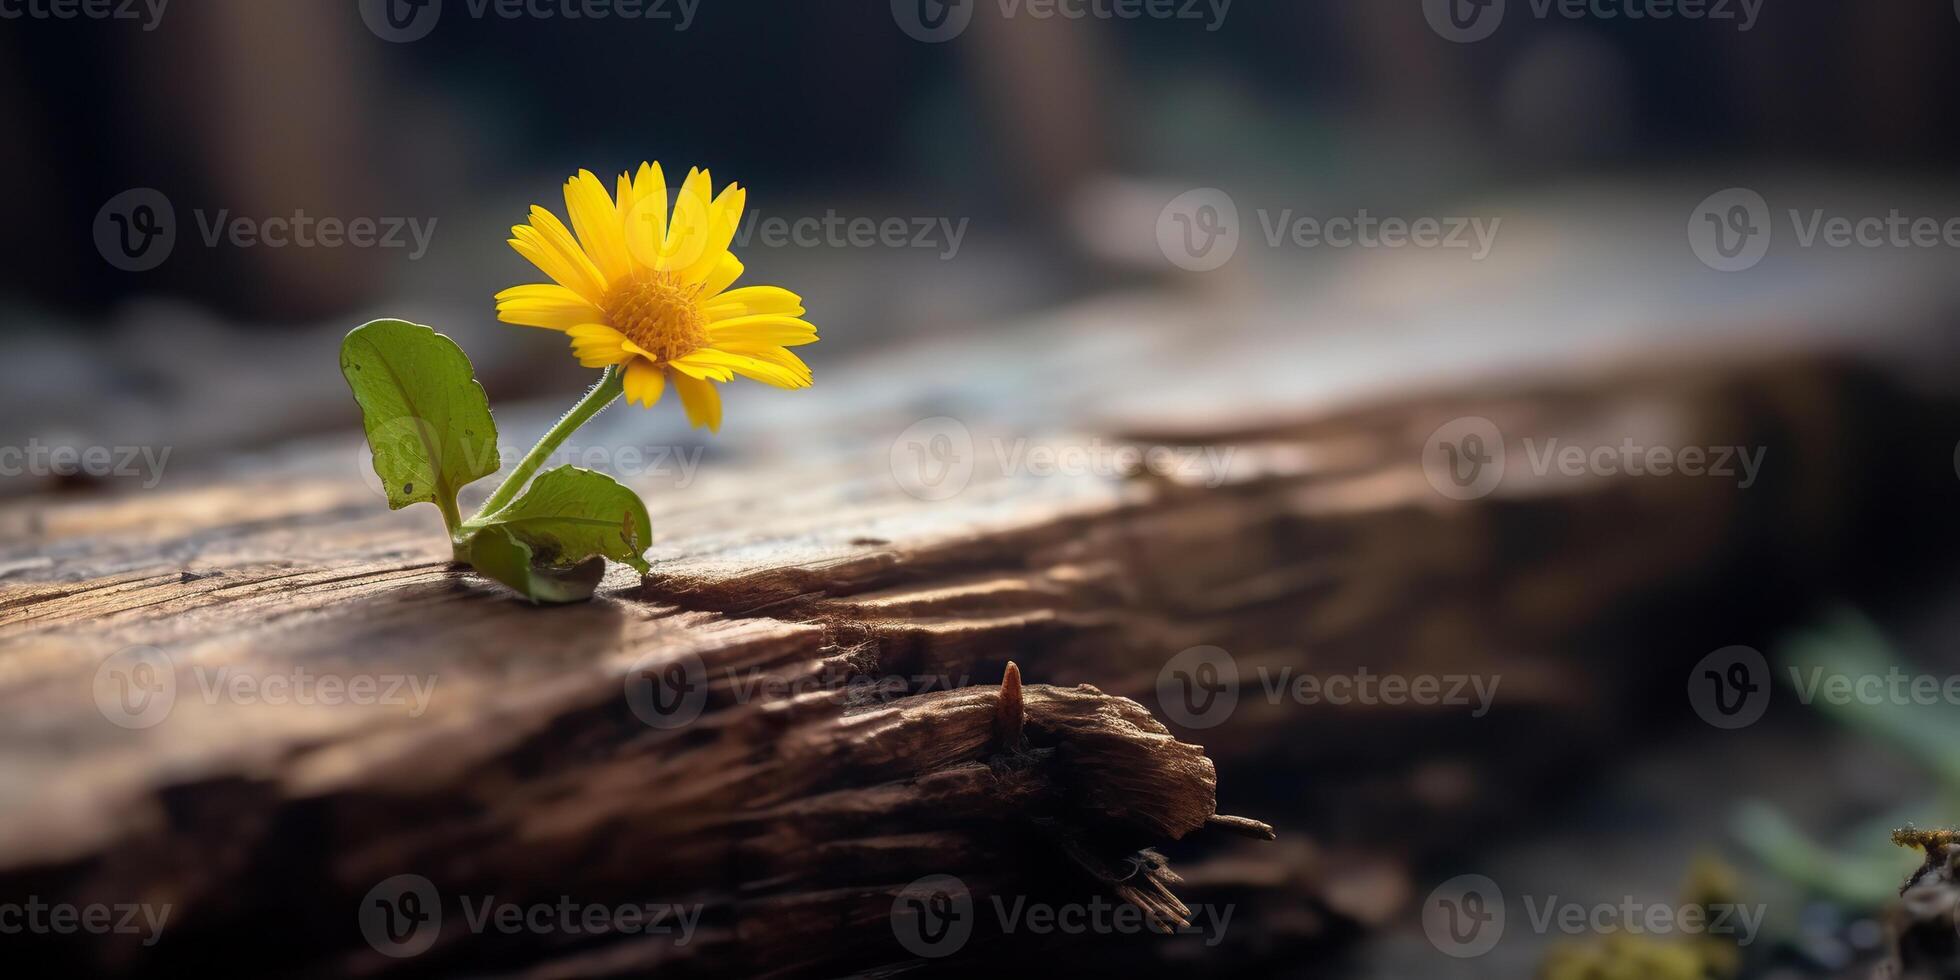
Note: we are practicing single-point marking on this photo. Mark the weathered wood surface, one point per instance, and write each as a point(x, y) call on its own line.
point(853, 639)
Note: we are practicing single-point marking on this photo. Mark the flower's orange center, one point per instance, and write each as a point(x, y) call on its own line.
point(658, 313)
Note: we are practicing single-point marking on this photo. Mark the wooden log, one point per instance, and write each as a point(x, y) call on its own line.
point(857, 721)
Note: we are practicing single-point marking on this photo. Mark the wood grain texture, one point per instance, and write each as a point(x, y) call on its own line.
point(850, 642)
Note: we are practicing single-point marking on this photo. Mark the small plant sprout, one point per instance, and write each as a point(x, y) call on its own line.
point(644, 293)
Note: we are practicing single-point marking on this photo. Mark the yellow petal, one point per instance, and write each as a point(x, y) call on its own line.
point(746, 366)
point(549, 306)
point(598, 345)
point(600, 231)
point(651, 182)
point(702, 401)
point(551, 248)
point(701, 370)
point(645, 221)
point(691, 226)
point(783, 331)
point(727, 269)
point(645, 382)
point(774, 355)
point(623, 196)
point(751, 300)
point(725, 217)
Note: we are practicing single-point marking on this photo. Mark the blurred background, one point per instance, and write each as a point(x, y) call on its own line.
point(1035, 162)
point(1049, 144)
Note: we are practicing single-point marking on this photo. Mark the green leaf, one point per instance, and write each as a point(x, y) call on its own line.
point(570, 514)
point(497, 554)
point(428, 420)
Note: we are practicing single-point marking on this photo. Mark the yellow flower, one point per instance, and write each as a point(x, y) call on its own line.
point(650, 290)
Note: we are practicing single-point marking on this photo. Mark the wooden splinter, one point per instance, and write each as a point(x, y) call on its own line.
point(1010, 713)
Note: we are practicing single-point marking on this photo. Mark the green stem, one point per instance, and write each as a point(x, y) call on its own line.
point(610, 386)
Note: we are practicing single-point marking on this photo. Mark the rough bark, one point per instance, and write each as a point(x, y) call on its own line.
point(863, 723)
